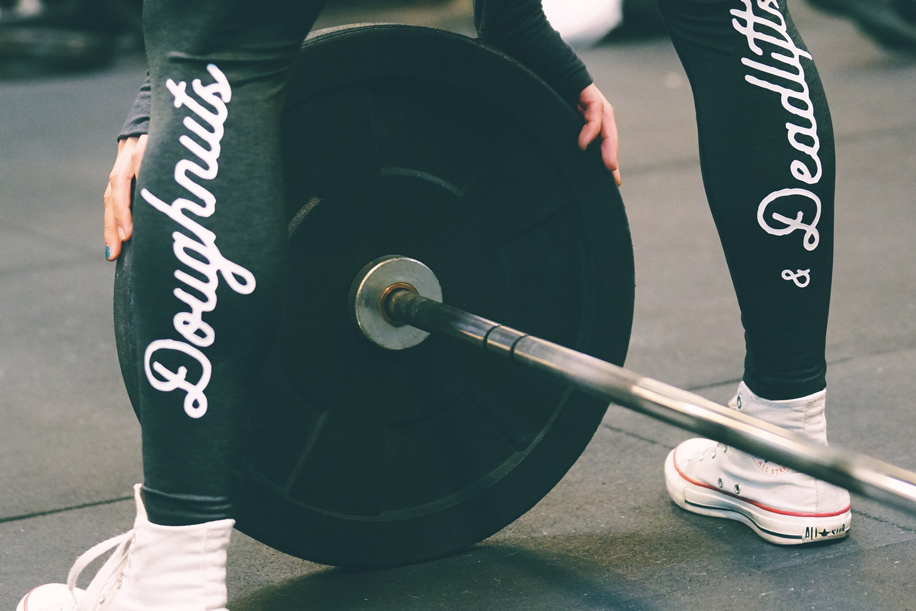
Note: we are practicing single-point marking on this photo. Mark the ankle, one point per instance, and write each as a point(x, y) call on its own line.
point(176, 509)
point(803, 415)
point(176, 568)
point(150, 568)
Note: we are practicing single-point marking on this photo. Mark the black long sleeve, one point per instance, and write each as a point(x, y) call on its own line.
point(137, 122)
point(520, 29)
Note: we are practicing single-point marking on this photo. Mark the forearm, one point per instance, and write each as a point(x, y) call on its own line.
point(520, 29)
point(516, 27)
point(137, 122)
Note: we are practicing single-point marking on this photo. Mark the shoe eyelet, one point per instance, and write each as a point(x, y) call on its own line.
point(737, 489)
point(720, 482)
point(738, 402)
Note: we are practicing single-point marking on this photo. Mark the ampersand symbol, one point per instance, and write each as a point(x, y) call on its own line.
point(801, 277)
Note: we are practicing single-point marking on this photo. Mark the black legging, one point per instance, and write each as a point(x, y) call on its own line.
point(199, 285)
point(203, 273)
point(766, 150)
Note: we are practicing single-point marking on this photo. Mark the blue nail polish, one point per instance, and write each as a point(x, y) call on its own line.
point(107, 251)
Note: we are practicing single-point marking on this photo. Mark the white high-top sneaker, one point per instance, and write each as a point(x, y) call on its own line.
point(781, 505)
point(152, 568)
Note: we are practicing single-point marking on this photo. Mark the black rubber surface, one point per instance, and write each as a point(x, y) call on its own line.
point(412, 141)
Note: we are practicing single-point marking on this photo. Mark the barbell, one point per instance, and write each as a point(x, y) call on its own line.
point(423, 166)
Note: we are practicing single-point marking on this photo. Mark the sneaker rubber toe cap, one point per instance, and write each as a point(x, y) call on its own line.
point(50, 597)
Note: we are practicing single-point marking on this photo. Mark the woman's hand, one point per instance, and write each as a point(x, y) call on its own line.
point(119, 224)
point(599, 119)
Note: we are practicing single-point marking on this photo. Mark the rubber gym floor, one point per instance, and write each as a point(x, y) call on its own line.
point(607, 537)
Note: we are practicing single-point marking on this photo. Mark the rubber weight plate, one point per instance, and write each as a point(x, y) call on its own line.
point(417, 142)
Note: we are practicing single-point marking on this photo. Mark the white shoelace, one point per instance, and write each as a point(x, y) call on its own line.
point(98, 595)
point(715, 451)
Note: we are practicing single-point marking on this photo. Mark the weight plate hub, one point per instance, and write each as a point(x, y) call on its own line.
point(428, 144)
point(372, 285)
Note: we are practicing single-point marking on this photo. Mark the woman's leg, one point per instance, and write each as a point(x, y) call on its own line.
point(207, 256)
point(202, 280)
point(766, 150)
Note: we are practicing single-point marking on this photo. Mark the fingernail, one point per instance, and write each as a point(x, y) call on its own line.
point(121, 233)
point(107, 252)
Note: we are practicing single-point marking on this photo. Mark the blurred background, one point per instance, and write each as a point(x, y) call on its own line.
point(41, 37)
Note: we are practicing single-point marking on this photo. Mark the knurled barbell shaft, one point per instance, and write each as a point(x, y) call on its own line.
point(855, 472)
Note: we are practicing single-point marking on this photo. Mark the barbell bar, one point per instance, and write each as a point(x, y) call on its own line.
point(397, 301)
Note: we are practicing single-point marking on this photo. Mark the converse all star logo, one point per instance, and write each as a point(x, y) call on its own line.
point(771, 468)
point(202, 260)
point(782, 73)
point(817, 534)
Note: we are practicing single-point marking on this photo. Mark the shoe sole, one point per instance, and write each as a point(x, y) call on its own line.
point(778, 528)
